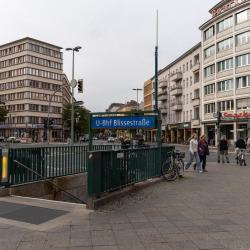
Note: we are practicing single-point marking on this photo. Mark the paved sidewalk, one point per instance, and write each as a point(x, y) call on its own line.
point(202, 211)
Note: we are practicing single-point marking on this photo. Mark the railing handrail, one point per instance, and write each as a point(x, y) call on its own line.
point(47, 180)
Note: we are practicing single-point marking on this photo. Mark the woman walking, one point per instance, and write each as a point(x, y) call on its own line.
point(203, 151)
point(193, 150)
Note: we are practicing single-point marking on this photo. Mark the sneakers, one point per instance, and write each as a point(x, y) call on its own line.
point(200, 171)
point(187, 167)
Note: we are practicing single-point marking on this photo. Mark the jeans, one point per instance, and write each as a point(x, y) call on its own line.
point(197, 159)
point(203, 160)
point(222, 154)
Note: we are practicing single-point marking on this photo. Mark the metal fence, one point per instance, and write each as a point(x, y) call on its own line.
point(52, 161)
point(113, 170)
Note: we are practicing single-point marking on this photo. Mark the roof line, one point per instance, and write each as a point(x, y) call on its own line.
point(29, 38)
point(179, 58)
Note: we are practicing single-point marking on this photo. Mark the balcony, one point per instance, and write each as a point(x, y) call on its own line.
point(176, 76)
point(163, 84)
point(196, 67)
point(196, 101)
point(176, 90)
point(163, 98)
point(162, 92)
point(164, 111)
point(176, 106)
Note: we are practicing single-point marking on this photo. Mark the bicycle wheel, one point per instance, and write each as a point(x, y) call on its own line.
point(172, 176)
point(167, 167)
point(180, 167)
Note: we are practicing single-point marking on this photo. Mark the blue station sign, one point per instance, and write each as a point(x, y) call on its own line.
point(123, 122)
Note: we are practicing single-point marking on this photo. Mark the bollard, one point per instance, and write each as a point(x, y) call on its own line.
point(4, 172)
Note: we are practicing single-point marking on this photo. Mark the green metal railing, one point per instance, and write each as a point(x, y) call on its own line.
point(50, 162)
point(113, 170)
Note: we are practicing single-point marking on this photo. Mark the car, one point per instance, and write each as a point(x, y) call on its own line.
point(2, 139)
point(13, 139)
point(94, 138)
point(83, 139)
point(111, 139)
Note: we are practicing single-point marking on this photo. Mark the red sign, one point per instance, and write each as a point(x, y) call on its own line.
point(229, 5)
point(243, 115)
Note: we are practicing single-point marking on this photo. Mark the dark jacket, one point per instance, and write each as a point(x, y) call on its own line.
point(223, 145)
point(203, 148)
point(241, 144)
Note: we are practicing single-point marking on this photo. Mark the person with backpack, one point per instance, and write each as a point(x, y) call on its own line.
point(223, 147)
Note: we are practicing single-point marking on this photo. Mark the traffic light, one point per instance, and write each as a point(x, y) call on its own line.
point(45, 123)
point(80, 86)
point(219, 115)
point(51, 122)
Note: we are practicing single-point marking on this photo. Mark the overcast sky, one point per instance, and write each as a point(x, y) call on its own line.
point(117, 36)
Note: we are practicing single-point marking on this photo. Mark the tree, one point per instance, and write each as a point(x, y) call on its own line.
point(3, 114)
point(81, 119)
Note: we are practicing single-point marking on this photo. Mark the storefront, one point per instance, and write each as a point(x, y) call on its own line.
point(173, 133)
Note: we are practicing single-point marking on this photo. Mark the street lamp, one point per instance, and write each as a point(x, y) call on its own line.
point(73, 85)
point(137, 90)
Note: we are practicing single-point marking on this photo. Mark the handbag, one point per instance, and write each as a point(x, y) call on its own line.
point(207, 151)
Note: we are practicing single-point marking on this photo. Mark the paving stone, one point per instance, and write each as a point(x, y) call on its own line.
point(80, 242)
point(183, 245)
point(31, 245)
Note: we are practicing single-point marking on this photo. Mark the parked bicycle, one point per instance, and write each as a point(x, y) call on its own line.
point(173, 167)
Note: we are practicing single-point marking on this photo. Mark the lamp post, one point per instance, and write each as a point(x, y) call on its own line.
point(137, 90)
point(73, 85)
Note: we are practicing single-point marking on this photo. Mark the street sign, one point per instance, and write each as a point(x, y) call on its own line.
point(124, 122)
point(73, 83)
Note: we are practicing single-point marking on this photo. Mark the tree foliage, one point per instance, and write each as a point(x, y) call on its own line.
point(3, 114)
point(81, 119)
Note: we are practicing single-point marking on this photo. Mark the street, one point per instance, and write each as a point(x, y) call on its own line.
point(202, 211)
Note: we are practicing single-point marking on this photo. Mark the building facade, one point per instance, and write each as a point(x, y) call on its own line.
point(226, 70)
point(178, 97)
point(31, 75)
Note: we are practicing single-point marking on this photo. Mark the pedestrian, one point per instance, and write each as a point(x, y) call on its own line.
point(203, 151)
point(193, 151)
point(240, 145)
point(248, 143)
point(223, 148)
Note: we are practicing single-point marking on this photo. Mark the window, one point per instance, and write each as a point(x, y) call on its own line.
point(209, 108)
point(243, 82)
point(243, 38)
point(243, 60)
point(191, 80)
point(225, 24)
point(243, 16)
point(243, 103)
point(209, 33)
point(225, 85)
point(225, 65)
point(225, 44)
point(209, 51)
point(209, 71)
point(196, 93)
point(209, 89)
point(225, 105)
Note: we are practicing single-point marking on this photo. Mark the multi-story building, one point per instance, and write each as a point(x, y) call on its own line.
point(30, 73)
point(226, 69)
point(179, 96)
